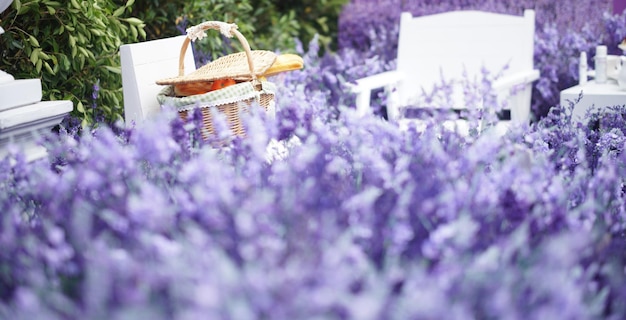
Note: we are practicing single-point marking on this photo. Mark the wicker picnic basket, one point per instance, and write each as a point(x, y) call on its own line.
point(246, 68)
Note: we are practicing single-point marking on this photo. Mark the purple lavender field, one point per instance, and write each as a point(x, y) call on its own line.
point(359, 220)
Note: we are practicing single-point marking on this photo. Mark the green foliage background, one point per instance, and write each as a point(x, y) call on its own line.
point(266, 24)
point(73, 45)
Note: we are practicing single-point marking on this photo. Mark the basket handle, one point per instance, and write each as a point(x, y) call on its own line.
point(227, 29)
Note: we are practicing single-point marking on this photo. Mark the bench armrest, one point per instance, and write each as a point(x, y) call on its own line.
point(363, 87)
point(376, 81)
point(516, 90)
point(518, 78)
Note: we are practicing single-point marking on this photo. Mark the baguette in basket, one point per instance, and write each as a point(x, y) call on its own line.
point(283, 63)
point(230, 85)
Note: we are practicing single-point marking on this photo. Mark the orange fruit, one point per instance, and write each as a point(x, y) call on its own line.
point(193, 88)
point(222, 83)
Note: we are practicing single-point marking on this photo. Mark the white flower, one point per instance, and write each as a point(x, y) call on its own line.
point(199, 32)
point(228, 29)
point(195, 33)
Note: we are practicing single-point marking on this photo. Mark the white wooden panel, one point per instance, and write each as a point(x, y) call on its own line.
point(142, 64)
point(27, 117)
point(463, 41)
point(21, 92)
point(596, 97)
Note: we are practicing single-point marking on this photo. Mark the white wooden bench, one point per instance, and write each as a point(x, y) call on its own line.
point(454, 43)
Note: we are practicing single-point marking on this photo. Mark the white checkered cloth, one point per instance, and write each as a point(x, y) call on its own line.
point(231, 94)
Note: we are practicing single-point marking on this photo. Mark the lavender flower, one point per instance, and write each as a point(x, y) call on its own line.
point(357, 220)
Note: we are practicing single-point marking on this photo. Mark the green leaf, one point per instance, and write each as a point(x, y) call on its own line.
point(23, 10)
point(83, 52)
point(75, 4)
point(48, 68)
point(17, 44)
point(43, 55)
point(97, 32)
point(116, 70)
point(80, 107)
point(142, 33)
point(65, 62)
point(133, 31)
point(34, 56)
point(118, 12)
point(33, 41)
point(134, 21)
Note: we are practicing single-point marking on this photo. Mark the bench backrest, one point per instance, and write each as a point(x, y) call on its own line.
point(142, 64)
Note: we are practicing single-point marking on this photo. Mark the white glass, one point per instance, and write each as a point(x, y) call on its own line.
point(601, 64)
point(621, 78)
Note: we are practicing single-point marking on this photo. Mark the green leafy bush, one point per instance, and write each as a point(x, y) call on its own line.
point(243, 14)
point(73, 47)
point(258, 21)
point(266, 24)
point(316, 17)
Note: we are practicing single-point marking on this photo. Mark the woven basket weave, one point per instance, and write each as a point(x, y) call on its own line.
point(244, 67)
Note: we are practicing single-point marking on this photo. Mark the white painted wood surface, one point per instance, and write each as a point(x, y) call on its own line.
point(454, 43)
point(33, 116)
point(595, 96)
point(4, 4)
point(21, 126)
point(142, 64)
point(16, 93)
